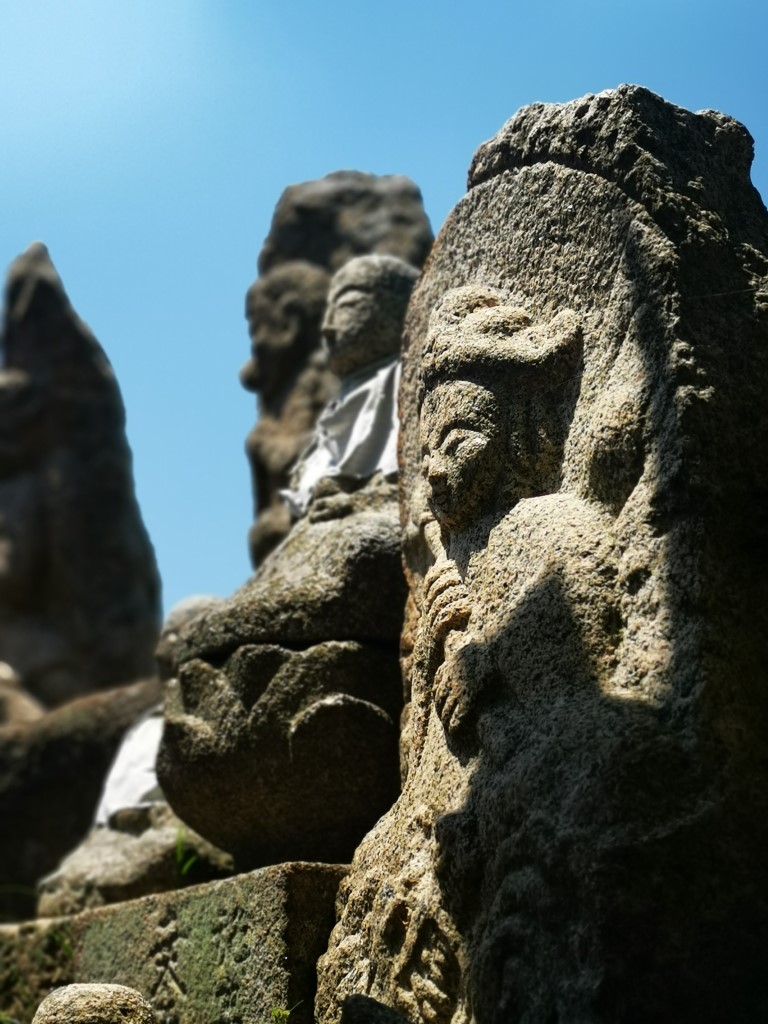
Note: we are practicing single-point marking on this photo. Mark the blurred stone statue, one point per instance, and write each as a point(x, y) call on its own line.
point(282, 711)
point(136, 845)
point(317, 227)
point(356, 435)
point(290, 374)
point(79, 589)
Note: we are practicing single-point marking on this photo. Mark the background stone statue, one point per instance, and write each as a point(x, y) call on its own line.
point(134, 848)
point(317, 227)
point(79, 589)
point(289, 373)
point(282, 712)
point(582, 829)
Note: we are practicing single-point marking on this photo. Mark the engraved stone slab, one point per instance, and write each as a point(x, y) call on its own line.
point(226, 951)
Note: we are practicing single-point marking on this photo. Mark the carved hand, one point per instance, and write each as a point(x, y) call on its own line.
point(446, 601)
point(454, 693)
point(334, 506)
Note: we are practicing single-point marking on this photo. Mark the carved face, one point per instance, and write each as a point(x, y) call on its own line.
point(283, 310)
point(462, 452)
point(366, 307)
point(349, 325)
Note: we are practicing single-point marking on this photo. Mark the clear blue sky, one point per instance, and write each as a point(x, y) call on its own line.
point(147, 141)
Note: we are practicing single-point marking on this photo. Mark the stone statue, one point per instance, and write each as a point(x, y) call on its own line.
point(290, 374)
point(281, 716)
point(498, 397)
point(585, 638)
point(356, 436)
point(317, 227)
point(79, 589)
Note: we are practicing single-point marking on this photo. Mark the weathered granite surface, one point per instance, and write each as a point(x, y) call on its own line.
point(79, 589)
point(94, 1004)
point(282, 712)
point(347, 214)
point(582, 831)
point(231, 950)
point(317, 227)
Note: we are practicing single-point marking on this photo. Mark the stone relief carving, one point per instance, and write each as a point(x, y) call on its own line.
point(498, 394)
point(581, 716)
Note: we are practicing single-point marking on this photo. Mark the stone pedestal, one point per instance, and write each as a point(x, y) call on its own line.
point(225, 951)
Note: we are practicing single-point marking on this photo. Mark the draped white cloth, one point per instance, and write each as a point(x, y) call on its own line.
point(355, 435)
point(132, 781)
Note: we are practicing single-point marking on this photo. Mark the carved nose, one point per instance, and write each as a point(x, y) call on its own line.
point(327, 328)
point(436, 475)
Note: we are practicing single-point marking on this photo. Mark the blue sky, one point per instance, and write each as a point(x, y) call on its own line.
point(147, 141)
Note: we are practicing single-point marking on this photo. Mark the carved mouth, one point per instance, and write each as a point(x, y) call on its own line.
point(440, 500)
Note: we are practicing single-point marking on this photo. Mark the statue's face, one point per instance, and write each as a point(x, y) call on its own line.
point(274, 324)
point(462, 452)
point(364, 314)
point(283, 310)
point(349, 326)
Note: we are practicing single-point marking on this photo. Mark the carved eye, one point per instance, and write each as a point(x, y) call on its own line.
point(455, 440)
point(351, 299)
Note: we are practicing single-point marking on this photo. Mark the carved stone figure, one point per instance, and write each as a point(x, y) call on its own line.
point(498, 398)
point(79, 589)
point(281, 717)
point(289, 373)
point(582, 478)
point(317, 227)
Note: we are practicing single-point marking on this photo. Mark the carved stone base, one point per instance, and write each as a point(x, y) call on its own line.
point(226, 951)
